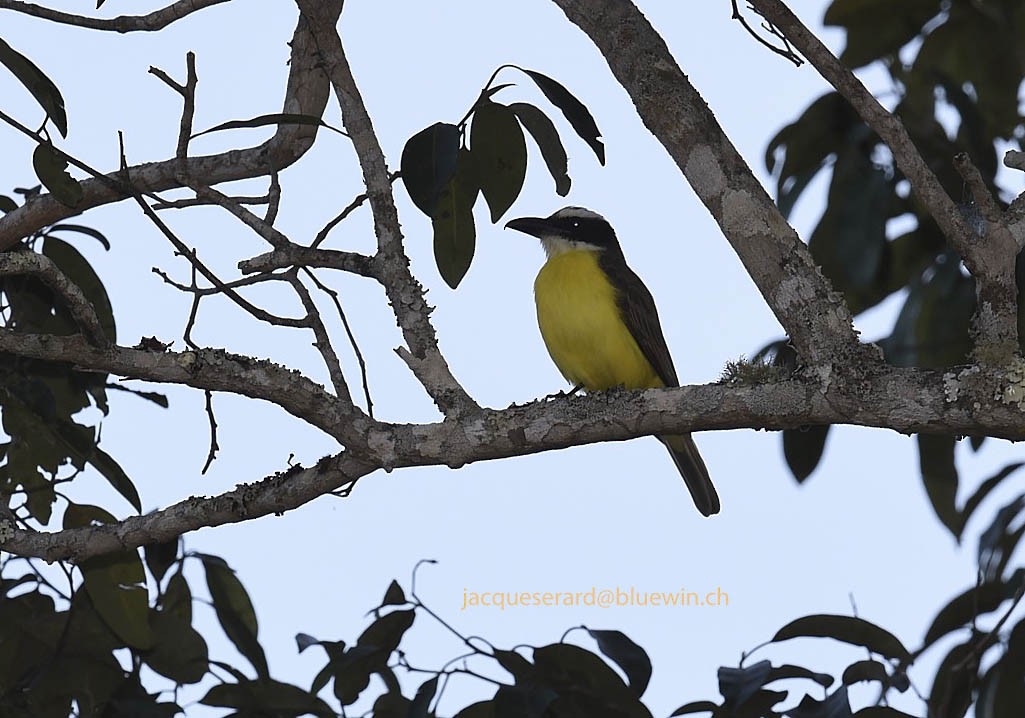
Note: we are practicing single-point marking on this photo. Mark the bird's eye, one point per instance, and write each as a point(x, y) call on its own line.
point(576, 223)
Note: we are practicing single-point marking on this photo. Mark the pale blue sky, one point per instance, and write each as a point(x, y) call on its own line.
point(606, 515)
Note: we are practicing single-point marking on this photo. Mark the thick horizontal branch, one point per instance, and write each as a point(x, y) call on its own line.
point(958, 401)
point(213, 369)
point(813, 315)
point(306, 93)
point(273, 495)
point(156, 20)
point(990, 258)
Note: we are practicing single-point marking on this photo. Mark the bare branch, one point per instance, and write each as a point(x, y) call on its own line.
point(214, 446)
point(404, 292)
point(991, 261)
point(258, 224)
point(348, 332)
point(273, 495)
point(190, 254)
point(306, 93)
point(299, 256)
point(813, 315)
point(349, 209)
point(786, 51)
point(41, 267)
point(188, 93)
point(323, 339)
point(156, 20)
point(213, 369)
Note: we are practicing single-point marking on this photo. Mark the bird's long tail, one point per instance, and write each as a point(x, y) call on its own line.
point(687, 459)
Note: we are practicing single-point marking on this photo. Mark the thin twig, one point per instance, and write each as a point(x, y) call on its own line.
point(259, 225)
point(348, 332)
point(786, 51)
point(355, 204)
point(323, 339)
point(201, 202)
point(213, 431)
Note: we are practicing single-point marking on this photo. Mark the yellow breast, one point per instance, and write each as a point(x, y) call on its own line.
point(582, 328)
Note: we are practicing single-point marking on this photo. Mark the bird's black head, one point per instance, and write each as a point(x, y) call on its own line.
point(569, 229)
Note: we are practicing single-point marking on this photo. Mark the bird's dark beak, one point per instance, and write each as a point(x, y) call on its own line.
point(534, 226)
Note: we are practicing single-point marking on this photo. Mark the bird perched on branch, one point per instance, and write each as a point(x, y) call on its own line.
point(600, 324)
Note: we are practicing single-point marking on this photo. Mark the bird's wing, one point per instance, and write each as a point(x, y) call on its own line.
point(641, 317)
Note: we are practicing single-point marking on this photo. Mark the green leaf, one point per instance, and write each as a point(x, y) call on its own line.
point(869, 39)
point(499, 155)
point(836, 705)
point(850, 240)
point(803, 448)
point(737, 685)
point(583, 682)
point(177, 599)
point(41, 86)
point(454, 231)
point(7, 204)
point(951, 693)
point(964, 609)
point(939, 474)
point(235, 612)
point(52, 170)
point(81, 229)
point(931, 330)
point(80, 445)
point(395, 705)
point(394, 596)
point(420, 706)
point(627, 655)
point(695, 707)
point(266, 697)
point(546, 136)
point(277, 118)
point(160, 557)
point(984, 490)
point(179, 652)
point(868, 670)
point(825, 128)
point(848, 629)
point(787, 672)
point(994, 547)
point(480, 709)
point(579, 117)
point(78, 270)
point(353, 668)
point(428, 163)
point(882, 712)
point(116, 582)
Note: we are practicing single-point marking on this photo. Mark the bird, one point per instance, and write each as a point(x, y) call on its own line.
point(600, 325)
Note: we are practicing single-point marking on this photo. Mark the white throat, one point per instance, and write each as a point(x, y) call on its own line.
point(554, 246)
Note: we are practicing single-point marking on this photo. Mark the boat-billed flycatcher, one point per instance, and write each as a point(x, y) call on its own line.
point(600, 324)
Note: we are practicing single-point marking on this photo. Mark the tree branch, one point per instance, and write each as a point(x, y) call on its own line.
point(404, 292)
point(213, 369)
point(813, 315)
point(904, 400)
point(990, 259)
point(156, 20)
point(306, 93)
point(41, 267)
point(273, 495)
